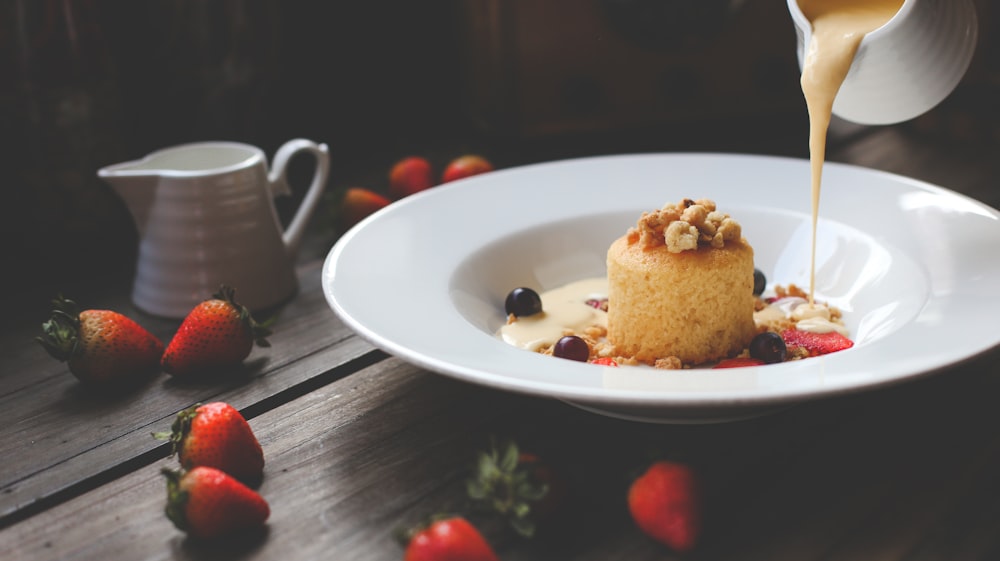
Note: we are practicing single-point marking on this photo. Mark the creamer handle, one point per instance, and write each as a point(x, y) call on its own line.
point(279, 186)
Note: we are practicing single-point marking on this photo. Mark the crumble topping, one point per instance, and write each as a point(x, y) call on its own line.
point(685, 226)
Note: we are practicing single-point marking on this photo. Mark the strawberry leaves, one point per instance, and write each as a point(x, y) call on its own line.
point(60, 334)
point(259, 331)
point(179, 429)
point(504, 485)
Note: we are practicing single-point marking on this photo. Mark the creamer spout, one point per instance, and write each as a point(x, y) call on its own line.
point(136, 187)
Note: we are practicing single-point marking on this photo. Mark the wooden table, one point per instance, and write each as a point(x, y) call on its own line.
point(358, 443)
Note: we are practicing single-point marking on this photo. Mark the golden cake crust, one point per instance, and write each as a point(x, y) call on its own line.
point(696, 305)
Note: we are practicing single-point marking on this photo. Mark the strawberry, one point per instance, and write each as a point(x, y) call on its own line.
point(102, 347)
point(816, 343)
point(410, 175)
point(465, 166)
point(219, 332)
point(208, 503)
point(604, 361)
point(665, 504)
point(739, 362)
point(512, 484)
point(356, 205)
point(448, 539)
point(216, 435)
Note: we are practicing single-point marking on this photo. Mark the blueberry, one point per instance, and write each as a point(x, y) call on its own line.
point(572, 347)
point(769, 347)
point(759, 282)
point(523, 302)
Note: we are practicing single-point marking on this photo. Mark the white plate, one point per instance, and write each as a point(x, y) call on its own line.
point(913, 267)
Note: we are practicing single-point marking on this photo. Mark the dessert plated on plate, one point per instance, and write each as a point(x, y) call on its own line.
point(681, 291)
point(680, 284)
point(905, 269)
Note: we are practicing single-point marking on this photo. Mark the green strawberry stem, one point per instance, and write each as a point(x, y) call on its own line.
point(61, 333)
point(176, 498)
point(179, 429)
point(502, 486)
point(258, 330)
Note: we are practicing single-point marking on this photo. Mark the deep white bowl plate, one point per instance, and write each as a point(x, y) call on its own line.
point(913, 267)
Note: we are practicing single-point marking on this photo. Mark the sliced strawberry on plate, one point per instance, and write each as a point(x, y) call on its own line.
point(738, 362)
point(816, 343)
point(604, 361)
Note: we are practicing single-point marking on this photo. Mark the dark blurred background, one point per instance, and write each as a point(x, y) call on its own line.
point(87, 83)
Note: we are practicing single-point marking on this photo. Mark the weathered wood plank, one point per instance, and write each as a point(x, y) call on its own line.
point(970, 170)
point(351, 461)
point(332, 460)
point(55, 435)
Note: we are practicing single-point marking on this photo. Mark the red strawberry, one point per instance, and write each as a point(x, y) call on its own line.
point(465, 166)
point(450, 539)
point(604, 361)
point(102, 347)
point(598, 303)
point(216, 435)
point(219, 332)
point(739, 362)
point(665, 503)
point(816, 343)
point(512, 484)
point(356, 205)
point(410, 175)
point(207, 503)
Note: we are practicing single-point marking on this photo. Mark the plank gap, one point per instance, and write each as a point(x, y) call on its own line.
point(161, 451)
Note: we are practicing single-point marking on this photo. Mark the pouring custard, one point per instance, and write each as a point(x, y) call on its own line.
point(838, 26)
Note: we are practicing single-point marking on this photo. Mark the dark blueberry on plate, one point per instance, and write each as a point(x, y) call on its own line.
point(572, 347)
point(759, 282)
point(523, 302)
point(769, 347)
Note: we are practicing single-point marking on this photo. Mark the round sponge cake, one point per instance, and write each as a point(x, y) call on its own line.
point(696, 305)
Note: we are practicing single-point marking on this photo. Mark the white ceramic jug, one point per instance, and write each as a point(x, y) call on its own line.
point(905, 67)
point(205, 216)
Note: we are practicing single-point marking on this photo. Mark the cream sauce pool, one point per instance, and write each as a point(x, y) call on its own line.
point(563, 309)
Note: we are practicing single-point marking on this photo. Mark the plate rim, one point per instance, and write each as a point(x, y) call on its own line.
point(611, 396)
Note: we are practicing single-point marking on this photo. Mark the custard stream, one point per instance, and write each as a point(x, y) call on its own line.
point(838, 26)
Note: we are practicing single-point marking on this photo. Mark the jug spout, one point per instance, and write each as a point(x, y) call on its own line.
point(136, 188)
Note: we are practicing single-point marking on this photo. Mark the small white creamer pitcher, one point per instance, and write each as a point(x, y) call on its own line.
point(205, 216)
point(907, 66)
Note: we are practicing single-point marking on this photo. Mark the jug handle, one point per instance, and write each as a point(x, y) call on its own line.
point(278, 183)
